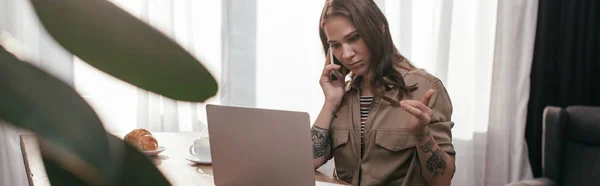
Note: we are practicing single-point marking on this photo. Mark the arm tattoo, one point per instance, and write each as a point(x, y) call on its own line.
point(320, 138)
point(427, 146)
point(425, 141)
point(436, 163)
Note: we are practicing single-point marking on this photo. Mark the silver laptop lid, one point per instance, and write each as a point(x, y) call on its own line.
point(251, 146)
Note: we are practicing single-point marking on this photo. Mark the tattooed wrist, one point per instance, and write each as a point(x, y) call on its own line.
point(320, 138)
point(427, 146)
point(425, 141)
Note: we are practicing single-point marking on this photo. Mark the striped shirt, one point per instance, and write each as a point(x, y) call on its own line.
point(365, 104)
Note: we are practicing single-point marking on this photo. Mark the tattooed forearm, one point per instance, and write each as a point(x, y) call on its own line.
point(320, 138)
point(436, 161)
point(436, 164)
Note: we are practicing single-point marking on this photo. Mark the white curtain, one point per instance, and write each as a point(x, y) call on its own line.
point(515, 38)
point(481, 50)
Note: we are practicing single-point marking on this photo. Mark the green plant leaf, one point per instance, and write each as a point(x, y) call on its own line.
point(33, 99)
point(134, 168)
point(112, 40)
point(70, 133)
point(59, 176)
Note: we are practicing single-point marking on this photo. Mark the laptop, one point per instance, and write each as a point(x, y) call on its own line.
point(253, 146)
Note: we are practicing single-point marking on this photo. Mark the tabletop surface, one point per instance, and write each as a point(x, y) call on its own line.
point(171, 162)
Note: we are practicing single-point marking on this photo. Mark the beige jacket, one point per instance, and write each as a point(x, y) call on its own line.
point(390, 149)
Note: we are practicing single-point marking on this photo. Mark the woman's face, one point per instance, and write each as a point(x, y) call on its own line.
point(347, 45)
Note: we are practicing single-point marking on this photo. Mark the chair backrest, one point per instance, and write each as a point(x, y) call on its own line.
point(571, 145)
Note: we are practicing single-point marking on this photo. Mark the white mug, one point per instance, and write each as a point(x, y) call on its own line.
point(201, 149)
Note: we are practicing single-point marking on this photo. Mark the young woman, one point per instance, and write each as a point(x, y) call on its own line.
point(390, 123)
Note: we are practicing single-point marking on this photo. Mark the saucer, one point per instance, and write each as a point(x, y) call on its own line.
point(155, 152)
point(206, 161)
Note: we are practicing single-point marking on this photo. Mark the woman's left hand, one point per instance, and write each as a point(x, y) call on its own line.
point(421, 113)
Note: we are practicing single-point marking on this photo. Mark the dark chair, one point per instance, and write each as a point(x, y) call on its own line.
point(570, 147)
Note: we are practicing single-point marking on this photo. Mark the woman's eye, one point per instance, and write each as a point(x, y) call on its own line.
point(337, 45)
point(354, 38)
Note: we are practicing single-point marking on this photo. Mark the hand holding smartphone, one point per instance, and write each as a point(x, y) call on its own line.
point(335, 75)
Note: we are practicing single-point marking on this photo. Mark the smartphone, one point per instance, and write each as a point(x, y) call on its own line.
point(335, 73)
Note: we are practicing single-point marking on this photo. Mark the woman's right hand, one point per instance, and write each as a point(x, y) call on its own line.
point(333, 89)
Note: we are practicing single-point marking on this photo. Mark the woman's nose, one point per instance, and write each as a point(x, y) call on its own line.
point(347, 52)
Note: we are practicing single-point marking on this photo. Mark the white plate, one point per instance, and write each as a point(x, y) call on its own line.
point(197, 160)
point(155, 152)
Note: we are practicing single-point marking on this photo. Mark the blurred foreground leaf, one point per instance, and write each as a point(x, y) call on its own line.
point(112, 40)
point(72, 138)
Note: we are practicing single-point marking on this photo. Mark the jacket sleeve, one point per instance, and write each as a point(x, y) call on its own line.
point(441, 122)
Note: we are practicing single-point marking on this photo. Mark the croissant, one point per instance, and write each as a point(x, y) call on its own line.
point(142, 139)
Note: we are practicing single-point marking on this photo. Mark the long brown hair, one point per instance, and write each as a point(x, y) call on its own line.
point(373, 27)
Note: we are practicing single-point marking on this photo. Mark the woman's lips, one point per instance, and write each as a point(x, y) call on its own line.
point(355, 64)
